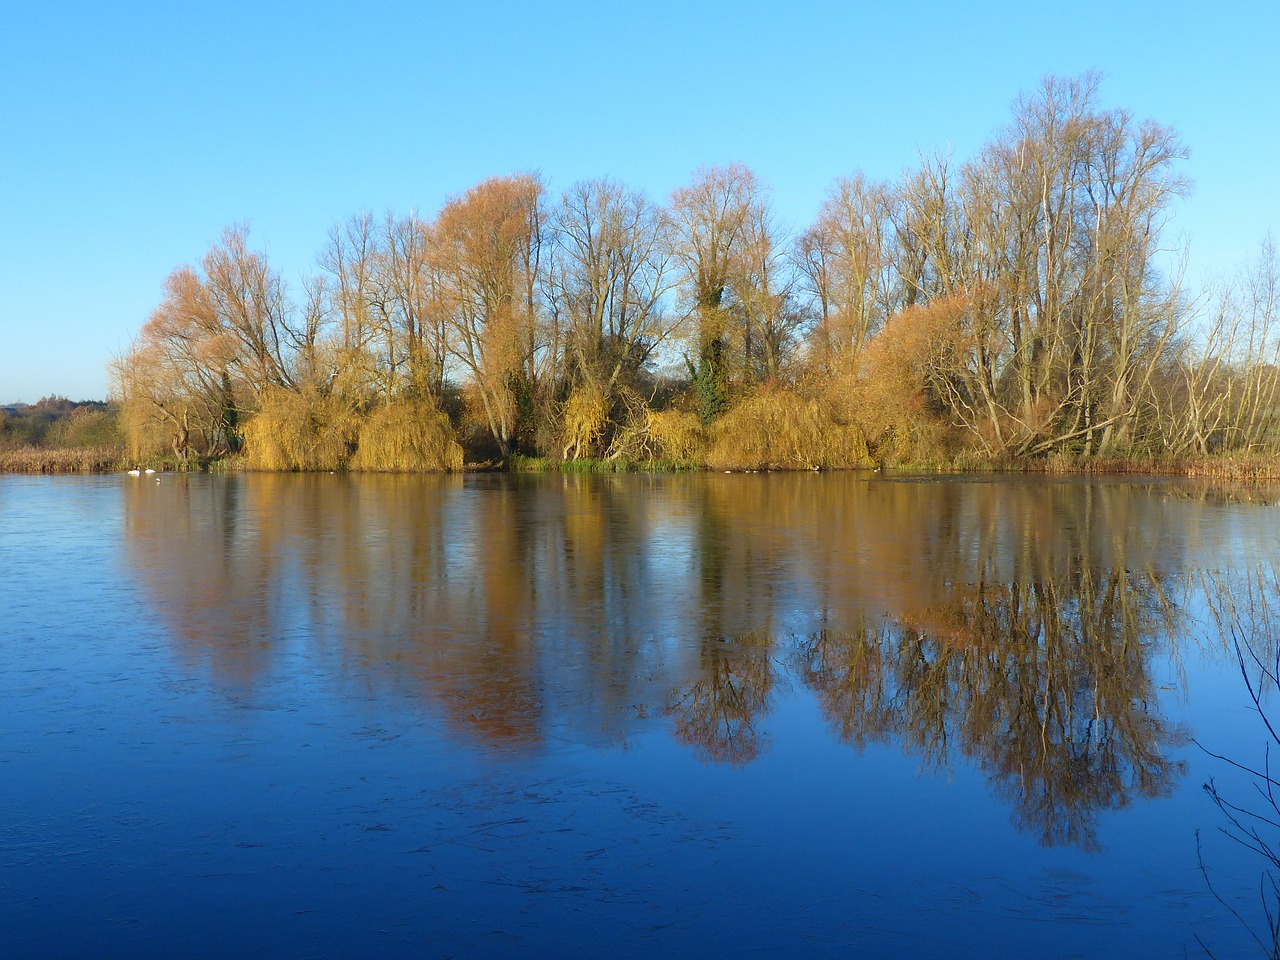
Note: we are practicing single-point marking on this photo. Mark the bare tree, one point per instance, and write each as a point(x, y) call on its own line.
point(1050, 236)
point(844, 259)
point(769, 315)
point(363, 348)
point(611, 276)
point(710, 217)
point(249, 305)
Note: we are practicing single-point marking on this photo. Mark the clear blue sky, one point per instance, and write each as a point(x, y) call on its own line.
point(132, 134)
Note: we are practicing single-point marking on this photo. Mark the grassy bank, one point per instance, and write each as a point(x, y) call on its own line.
point(521, 464)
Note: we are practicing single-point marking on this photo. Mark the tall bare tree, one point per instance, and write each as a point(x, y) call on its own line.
point(710, 217)
point(610, 278)
point(844, 262)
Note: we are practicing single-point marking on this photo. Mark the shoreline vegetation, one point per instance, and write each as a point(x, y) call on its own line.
point(1230, 467)
point(1017, 311)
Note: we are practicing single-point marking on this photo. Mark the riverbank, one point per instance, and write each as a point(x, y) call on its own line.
point(1236, 467)
point(1239, 467)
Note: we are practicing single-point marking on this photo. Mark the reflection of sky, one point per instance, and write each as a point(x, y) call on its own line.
point(669, 554)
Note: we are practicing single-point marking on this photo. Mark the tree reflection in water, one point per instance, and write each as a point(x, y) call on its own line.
point(1011, 625)
point(1243, 607)
point(721, 714)
point(1045, 685)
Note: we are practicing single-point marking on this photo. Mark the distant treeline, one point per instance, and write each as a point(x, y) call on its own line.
point(61, 436)
point(55, 421)
point(1016, 306)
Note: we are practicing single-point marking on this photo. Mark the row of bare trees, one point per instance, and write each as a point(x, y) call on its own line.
point(1017, 304)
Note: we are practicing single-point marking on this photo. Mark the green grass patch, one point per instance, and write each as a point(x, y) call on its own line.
point(522, 464)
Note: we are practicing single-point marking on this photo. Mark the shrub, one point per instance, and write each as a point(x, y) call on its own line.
point(407, 437)
point(676, 435)
point(586, 415)
point(86, 427)
point(776, 428)
point(673, 437)
point(888, 390)
point(300, 430)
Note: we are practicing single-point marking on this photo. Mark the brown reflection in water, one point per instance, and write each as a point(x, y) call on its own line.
point(1013, 623)
point(721, 713)
point(1244, 607)
point(211, 571)
point(1044, 684)
point(1000, 622)
point(491, 685)
point(853, 677)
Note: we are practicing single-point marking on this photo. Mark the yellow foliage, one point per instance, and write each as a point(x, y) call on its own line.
point(676, 435)
point(407, 437)
point(586, 414)
point(778, 429)
point(888, 393)
point(670, 435)
point(300, 430)
point(145, 436)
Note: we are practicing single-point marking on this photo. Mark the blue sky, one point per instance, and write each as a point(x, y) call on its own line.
point(134, 133)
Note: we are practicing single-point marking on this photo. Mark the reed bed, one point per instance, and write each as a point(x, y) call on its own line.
point(1247, 467)
point(1242, 467)
point(62, 460)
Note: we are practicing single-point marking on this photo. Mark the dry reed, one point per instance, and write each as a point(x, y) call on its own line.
point(62, 460)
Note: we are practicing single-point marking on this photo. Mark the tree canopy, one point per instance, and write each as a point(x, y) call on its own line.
point(1021, 303)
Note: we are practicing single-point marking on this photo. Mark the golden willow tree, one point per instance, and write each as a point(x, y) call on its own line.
point(381, 382)
point(220, 337)
point(485, 250)
point(608, 285)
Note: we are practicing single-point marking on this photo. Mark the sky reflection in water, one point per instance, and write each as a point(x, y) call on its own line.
point(338, 715)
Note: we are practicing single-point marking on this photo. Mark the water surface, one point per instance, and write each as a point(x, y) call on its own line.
point(687, 715)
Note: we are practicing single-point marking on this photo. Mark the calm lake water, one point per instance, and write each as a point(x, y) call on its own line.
point(484, 716)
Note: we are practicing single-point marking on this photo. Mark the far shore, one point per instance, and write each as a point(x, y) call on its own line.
point(1236, 467)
